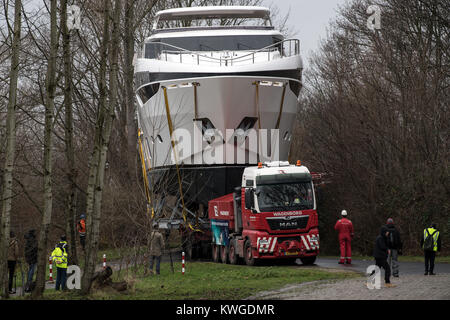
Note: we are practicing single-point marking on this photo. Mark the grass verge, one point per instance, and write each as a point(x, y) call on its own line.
point(207, 281)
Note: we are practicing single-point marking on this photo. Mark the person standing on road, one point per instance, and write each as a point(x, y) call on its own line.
point(13, 257)
point(59, 256)
point(81, 227)
point(345, 229)
point(394, 245)
point(381, 252)
point(156, 247)
point(31, 249)
point(431, 243)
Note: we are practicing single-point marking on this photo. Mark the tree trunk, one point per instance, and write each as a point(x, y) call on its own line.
point(48, 143)
point(103, 132)
point(130, 125)
point(10, 150)
point(68, 131)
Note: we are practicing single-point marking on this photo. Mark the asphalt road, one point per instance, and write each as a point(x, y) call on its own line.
point(361, 266)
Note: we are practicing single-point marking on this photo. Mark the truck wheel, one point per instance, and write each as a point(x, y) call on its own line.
point(205, 250)
point(224, 254)
point(232, 256)
point(215, 253)
point(189, 251)
point(308, 260)
point(248, 254)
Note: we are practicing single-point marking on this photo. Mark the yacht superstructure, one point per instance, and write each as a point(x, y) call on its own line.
point(215, 98)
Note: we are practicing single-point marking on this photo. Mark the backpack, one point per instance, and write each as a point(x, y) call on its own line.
point(428, 244)
point(391, 240)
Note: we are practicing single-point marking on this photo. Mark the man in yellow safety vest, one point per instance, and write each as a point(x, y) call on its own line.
point(431, 243)
point(59, 257)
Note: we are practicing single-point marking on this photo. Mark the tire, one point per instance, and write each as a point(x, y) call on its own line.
point(189, 251)
point(232, 256)
point(205, 250)
point(215, 253)
point(248, 254)
point(308, 260)
point(224, 254)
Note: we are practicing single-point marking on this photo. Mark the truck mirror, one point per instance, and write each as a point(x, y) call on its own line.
point(249, 198)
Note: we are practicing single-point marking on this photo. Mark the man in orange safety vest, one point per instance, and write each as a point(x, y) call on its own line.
point(81, 226)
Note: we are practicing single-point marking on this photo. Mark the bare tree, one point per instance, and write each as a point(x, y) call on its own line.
point(10, 148)
point(103, 132)
point(68, 133)
point(48, 145)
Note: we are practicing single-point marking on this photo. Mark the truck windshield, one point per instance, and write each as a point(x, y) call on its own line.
point(285, 196)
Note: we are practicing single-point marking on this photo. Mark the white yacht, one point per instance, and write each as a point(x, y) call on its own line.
point(223, 72)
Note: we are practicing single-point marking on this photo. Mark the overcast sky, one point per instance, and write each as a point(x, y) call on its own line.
point(310, 18)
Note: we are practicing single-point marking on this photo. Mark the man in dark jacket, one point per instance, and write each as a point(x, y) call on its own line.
point(31, 249)
point(394, 245)
point(13, 258)
point(380, 253)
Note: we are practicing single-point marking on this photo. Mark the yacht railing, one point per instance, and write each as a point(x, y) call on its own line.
point(285, 48)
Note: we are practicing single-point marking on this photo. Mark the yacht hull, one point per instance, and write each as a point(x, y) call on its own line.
point(251, 118)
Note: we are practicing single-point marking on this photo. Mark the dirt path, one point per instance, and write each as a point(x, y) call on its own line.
point(408, 287)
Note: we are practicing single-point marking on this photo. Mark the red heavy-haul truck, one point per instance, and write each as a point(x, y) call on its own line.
point(271, 216)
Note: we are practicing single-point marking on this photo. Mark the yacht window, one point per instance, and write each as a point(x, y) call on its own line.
point(148, 91)
point(217, 43)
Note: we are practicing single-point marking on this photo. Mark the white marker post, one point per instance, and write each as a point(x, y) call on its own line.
point(50, 267)
point(182, 263)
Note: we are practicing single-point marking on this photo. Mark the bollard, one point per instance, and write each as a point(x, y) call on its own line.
point(104, 261)
point(182, 263)
point(50, 263)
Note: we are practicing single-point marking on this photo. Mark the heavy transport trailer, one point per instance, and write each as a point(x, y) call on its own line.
point(272, 215)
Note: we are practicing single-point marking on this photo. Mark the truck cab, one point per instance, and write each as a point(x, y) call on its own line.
point(271, 216)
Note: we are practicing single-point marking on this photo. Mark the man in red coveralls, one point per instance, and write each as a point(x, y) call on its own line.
point(345, 229)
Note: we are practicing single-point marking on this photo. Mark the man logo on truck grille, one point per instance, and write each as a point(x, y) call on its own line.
point(290, 225)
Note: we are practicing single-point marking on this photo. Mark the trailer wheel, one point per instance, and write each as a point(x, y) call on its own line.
point(232, 256)
point(189, 250)
point(215, 253)
point(224, 254)
point(308, 260)
point(248, 254)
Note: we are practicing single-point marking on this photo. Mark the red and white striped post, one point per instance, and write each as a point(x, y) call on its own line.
point(104, 261)
point(50, 266)
point(182, 263)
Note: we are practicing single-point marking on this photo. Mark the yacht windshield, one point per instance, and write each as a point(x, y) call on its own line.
point(285, 196)
point(214, 43)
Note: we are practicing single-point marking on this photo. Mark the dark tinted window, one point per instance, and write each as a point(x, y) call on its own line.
point(218, 43)
point(148, 91)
